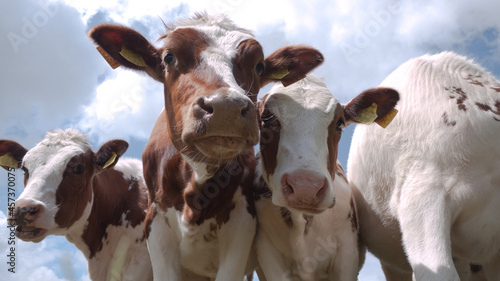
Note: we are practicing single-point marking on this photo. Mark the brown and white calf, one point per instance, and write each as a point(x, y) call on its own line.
point(97, 203)
point(308, 227)
point(431, 181)
point(199, 162)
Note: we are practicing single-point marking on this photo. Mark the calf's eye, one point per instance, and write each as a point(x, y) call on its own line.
point(79, 169)
point(169, 58)
point(268, 118)
point(340, 125)
point(259, 68)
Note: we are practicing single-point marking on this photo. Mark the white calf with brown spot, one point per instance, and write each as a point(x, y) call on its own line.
point(199, 162)
point(308, 227)
point(431, 180)
point(98, 203)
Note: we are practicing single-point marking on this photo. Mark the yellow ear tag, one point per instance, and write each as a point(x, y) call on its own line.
point(110, 161)
point(9, 161)
point(132, 57)
point(278, 74)
point(367, 115)
point(384, 122)
point(109, 59)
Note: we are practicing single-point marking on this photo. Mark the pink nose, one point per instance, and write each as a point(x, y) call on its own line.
point(25, 212)
point(304, 188)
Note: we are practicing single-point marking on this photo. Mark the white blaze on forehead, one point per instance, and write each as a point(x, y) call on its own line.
point(225, 38)
point(46, 163)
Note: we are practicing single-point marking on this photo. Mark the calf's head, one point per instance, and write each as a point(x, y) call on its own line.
point(212, 71)
point(301, 126)
point(59, 172)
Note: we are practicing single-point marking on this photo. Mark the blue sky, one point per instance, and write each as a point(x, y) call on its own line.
point(52, 77)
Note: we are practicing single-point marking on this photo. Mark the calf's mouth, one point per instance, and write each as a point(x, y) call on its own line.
point(30, 233)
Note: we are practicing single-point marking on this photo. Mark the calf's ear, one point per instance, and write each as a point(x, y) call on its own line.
point(121, 45)
point(109, 153)
point(290, 64)
point(11, 154)
point(373, 105)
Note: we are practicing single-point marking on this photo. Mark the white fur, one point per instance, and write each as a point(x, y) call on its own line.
point(329, 249)
point(200, 170)
point(129, 167)
point(439, 183)
point(304, 110)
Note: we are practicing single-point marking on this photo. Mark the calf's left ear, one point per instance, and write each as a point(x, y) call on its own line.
point(373, 105)
point(11, 154)
point(109, 153)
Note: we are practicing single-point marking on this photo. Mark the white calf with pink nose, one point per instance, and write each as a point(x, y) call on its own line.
point(308, 227)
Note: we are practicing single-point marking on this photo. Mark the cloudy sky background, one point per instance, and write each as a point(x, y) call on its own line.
point(51, 75)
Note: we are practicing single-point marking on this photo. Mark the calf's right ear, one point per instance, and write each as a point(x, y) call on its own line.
point(11, 154)
point(373, 105)
point(109, 153)
point(121, 45)
point(290, 64)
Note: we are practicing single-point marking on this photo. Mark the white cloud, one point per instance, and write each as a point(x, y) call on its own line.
point(118, 95)
point(49, 69)
point(126, 105)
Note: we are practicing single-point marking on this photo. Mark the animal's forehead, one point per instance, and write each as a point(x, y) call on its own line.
point(217, 38)
point(53, 156)
point(302, 100)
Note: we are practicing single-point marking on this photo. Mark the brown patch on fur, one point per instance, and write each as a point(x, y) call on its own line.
point(245, 63)
point(185, 45)
point(165, 171)
point(269, 137)
point(333, 140)
point(486, 107)
point(214, 198)
point(496, 89)
point(461, 98)
point(473, 80)
point(113, 197)
point(446, 121)
point(75, 190)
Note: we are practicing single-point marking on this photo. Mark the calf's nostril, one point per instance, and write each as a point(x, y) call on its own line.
point(206, 107)
point(247, 109)
point(33, 210)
